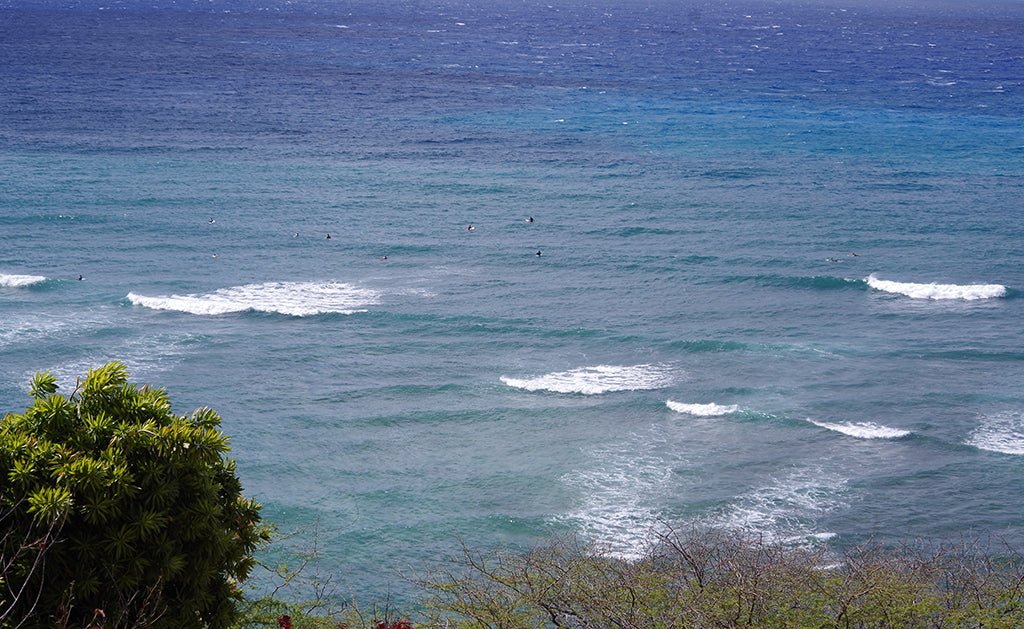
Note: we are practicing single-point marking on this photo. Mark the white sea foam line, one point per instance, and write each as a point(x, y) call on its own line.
point(27, 328)
point(787, 509)
point(938, 291)
point(864, 430)
point(290, 298)
point(18, 281)
point(1002, 433)
point(144, 358)
point(702, 410)
point(598, 379)
point(618, 497)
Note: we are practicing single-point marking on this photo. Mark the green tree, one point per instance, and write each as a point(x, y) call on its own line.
point(118, 513)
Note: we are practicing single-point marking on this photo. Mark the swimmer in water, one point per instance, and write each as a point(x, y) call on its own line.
point(328, 237)
point(469, 228)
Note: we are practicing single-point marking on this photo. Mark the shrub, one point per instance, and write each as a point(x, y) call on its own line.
point(117, 511)
point(712, 578)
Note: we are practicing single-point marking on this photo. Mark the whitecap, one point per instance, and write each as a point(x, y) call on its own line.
point(788, 508)
point(290, 298)
point(598, 379)
point(18, 281)
point(145, 358)
point(1002, 433)
point(621, 491)
point(864, 430)
point(938, 291)
point(702, 410)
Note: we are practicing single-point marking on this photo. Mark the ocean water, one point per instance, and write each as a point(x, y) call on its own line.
point(753, 264)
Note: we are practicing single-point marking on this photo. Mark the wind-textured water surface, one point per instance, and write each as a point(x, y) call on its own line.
point(592, 266)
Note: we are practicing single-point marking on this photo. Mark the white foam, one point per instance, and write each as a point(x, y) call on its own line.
point(702, 410)
point(788, 508)
point(18, 281)
point(290, 298)
point(598, 379)
point(938, 291)
point(144, 357)
point(1002, 433)
point(620, 492)
point(864, 430)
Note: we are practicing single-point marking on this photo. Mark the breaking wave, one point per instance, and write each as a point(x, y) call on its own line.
point(1002, 433)
point(598, 379)
point(702, 410)
point(864, 430)
point(938, 291)
point(18, 281)
point(298, 299)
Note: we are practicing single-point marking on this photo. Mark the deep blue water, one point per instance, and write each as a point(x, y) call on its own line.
point(696, 339)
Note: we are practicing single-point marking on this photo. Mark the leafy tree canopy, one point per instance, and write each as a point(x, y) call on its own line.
point(115, 510)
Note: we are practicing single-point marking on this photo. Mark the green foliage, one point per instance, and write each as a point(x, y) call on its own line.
point(710, 578)
point(153, 527)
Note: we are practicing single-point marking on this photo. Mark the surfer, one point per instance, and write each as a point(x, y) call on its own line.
point(212, 221)
point(831, 260)
point(469, 228)
point(383, 257)
point(538, 253)
point(296, 235)
point(529, 220)
point(854, 255)
point(79, 278)
point(328, 237)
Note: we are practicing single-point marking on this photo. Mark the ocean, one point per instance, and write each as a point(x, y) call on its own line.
point(594, 267)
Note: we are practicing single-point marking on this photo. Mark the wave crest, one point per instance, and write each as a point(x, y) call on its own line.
point(702, 410)
point(1002, 433)
point(598, 379)
point(864, 430)
point(938, 291)
point(296, 299)
point(18, 281)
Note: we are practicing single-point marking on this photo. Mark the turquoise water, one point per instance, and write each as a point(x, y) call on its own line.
point(697, 340)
